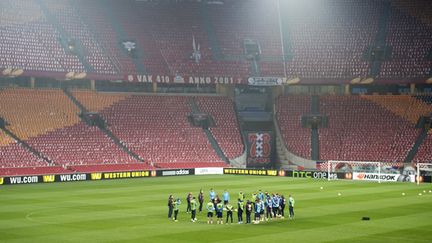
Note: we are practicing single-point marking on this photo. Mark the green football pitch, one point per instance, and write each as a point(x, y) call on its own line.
point(135, 210)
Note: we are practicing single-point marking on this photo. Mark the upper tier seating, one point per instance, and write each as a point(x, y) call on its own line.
point(328, 41)
point(323, 39)
point(410, 40)
point(422, 9)
point(28, 41)
point(256, 20)
point(134, 23)
point(173, 27)
point(70, 21)
point(98, 21)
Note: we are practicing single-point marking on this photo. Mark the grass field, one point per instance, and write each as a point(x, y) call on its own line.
point(135, 210)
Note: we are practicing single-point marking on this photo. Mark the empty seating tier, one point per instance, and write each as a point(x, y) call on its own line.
point(359, 129)
point(320, 40)
point(226, 130)
point(156, 128)
point(289, 112)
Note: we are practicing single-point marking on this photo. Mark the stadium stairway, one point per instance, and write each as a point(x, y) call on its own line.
point(64, 36)
point(27, 146)
point(216, 146)
point(424, 134)
point(383, 24)
point(75, 101)
point(314, 131)
point(213, 41)
point(296, 138)
point(122, 36)
point(380, 39)
point(284, 27)
point(210, 137)
point(119, 143)
point(113, 61)
point(286, 159)
point(255, 68)
point(104, 129)
point(415, 148)
point(192, 104)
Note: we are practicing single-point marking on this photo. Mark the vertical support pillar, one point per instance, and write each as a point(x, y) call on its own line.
point(412, 88)
point(92, 85)
point(347, 89)
point(218, 89)
point(154, 87)
point(32, 82)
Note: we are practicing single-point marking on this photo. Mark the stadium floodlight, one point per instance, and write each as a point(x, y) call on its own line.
point(423, 169)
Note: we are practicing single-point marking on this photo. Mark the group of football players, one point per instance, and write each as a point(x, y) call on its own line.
point(263, 206)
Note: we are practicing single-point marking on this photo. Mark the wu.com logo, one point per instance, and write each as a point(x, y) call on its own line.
point(23, 179)
point(73, 177)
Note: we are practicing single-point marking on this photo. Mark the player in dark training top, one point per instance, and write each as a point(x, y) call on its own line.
point(201, 200)
point(170, 206)
point(240, 206)
point(249, 208)
point(188, 199)
point(219, 212)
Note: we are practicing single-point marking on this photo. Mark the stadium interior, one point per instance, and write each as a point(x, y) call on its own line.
point(110, 85)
